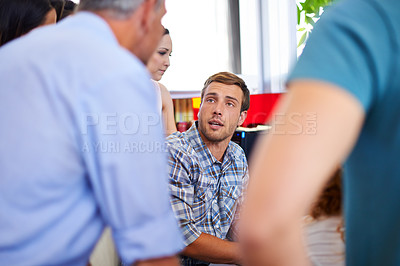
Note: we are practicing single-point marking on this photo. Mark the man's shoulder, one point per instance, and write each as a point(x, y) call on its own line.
point(185, 139)
point(87, 36)
point(183, 145)
point(236, 150)
point(177, 141)
point(180, 150)
point(83, 43)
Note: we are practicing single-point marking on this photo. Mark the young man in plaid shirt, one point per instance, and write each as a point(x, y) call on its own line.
point(208, 172)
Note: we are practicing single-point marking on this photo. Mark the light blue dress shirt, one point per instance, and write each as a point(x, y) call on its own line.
point(80, 147)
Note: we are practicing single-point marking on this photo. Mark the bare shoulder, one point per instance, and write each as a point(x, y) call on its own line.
point(165, 95)
point(163, 89)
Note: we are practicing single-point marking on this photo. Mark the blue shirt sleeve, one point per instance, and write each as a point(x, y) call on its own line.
point(123, 150)
point(345, 50)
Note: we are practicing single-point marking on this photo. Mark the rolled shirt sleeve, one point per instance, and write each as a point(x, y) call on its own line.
point(123, 150)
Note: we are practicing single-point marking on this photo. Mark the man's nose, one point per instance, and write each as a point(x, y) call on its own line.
point(218, 109)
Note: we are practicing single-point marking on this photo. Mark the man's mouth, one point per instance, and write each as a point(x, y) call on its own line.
point(215, 124)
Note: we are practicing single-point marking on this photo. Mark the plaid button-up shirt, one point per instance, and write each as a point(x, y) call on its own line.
point(205, 193)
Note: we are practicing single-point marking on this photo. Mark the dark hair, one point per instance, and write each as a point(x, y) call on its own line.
point(18, 17)
point(329, 202)
point(63, 8)
point(58, 5)
point(230, 79)
point(69, 9)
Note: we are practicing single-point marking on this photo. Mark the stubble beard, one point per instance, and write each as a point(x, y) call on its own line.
point(217, 137)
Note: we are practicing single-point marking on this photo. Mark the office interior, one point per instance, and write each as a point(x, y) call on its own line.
point(259, 40)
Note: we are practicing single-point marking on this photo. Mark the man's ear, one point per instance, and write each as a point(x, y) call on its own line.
point(242, 117)
point(148, 8)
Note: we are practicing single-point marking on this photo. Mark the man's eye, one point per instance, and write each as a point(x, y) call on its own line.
point(230, 104)
point(210, 100)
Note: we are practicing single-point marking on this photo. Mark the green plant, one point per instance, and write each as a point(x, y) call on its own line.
point(308, 12)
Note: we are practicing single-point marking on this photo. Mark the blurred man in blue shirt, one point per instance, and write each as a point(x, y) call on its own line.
point(81, 141)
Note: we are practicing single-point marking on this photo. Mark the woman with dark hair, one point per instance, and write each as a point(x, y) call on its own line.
point(324, 229)
point(18, 17)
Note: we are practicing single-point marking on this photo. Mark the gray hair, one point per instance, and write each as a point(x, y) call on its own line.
point(118, 8)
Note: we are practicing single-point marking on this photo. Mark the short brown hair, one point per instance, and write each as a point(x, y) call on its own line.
point(228, 78)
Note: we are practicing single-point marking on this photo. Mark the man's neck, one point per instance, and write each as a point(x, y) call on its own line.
point(217, 149)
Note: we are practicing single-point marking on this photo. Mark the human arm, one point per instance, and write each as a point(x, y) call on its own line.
point(168, 261)
point(345, 51)
point(124, 162)
point(213, 249)
point(167, 111)
point(290, 168)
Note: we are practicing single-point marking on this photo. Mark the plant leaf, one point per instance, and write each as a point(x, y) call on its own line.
point(298, 15)
point(302, 39)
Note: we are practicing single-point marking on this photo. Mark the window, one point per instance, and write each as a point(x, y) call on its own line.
point(278, 30)
point(200, 42)
point(253, 38)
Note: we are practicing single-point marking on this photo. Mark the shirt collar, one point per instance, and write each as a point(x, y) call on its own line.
point(97, 24)
point(197, 143)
